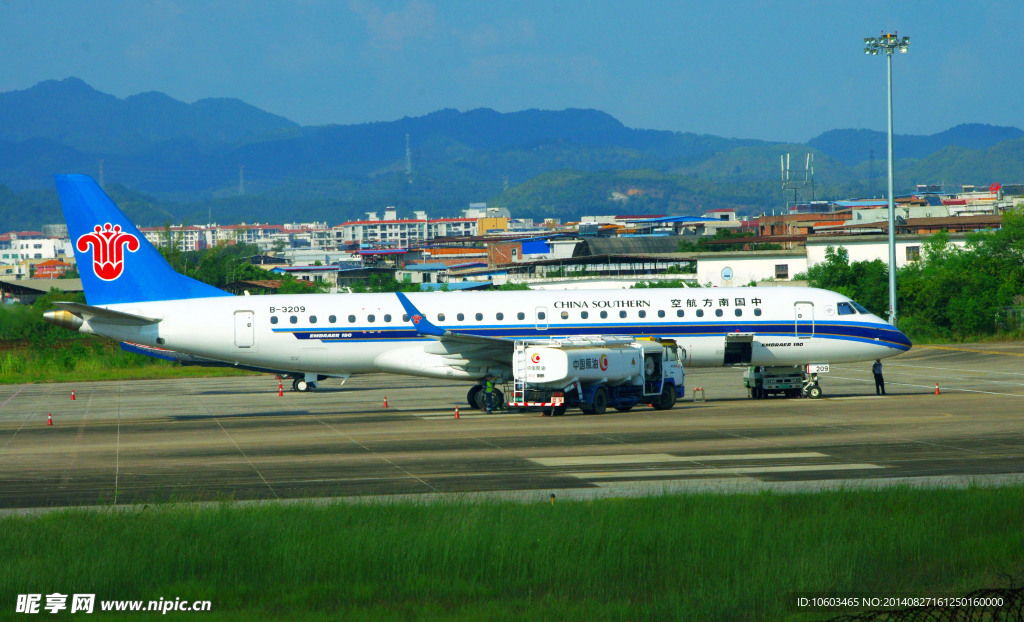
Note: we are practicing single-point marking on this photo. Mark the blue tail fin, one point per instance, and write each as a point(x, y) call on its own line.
point(115, 261)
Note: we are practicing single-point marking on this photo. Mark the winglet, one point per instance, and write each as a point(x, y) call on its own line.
point(419, 320)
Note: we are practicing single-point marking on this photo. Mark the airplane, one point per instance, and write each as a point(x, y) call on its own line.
point(133, 295)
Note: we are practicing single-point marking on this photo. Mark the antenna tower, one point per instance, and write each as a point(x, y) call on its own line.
point(408, 158)
point(796, 187)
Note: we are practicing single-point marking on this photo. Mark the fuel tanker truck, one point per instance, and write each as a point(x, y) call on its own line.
point(594, 373)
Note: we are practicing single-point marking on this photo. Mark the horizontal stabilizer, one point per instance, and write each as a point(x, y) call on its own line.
point(106, 316)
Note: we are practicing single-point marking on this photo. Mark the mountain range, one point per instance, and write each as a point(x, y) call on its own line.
point(186, 161)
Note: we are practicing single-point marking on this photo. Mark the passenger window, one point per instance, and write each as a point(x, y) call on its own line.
point(661, 313)
point(757, 312)
point(604, 314)
point(680, 313)
point(700, 312)
point(405, 317)
point(371, 319)
point(479, 317)
point(521, 316)
point(565, 315)
point(622, 314)
point(718, 313)
point(351, 319)
point(499, 316)
point(312, 319)
point(273, 319)
point(387, 318)
point(460, 317)
point(584, 314)
point(293, 320)
point(641, 313)
point(541, 315)
point(440, 317)
point(332, 319)
point(739, 312)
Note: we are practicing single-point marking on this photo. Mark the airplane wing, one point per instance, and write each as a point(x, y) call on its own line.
point(474, 349)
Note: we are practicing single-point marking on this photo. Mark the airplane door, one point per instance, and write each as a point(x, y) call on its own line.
point(244, 334)
point(542, 318)
point(804, 319)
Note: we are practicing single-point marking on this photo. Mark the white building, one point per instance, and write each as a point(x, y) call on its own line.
point(396, 233)
point(870, 247)
point(736, 269)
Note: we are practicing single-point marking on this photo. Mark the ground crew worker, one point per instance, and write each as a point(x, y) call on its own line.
point(489, 393)
point(876, 369)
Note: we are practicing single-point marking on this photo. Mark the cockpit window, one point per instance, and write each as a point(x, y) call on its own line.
point(845, 308)
point(860, 308)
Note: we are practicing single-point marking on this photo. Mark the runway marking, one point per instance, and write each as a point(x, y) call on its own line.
point(972, 350)
point(352, 439)
point(13, 396)
point(590, 475)
point(655, 458)
point(202, 404)
point(930, 386)
point(948, 369)
point(461, 416)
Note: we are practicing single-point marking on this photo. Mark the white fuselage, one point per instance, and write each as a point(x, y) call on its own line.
point(363, 333)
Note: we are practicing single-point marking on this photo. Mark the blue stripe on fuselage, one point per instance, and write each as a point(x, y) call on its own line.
point(848, 331)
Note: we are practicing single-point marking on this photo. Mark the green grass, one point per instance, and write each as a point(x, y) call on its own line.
point(679, 557)
point(101, 361)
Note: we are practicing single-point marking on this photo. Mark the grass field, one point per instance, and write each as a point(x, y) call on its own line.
point(679, 557)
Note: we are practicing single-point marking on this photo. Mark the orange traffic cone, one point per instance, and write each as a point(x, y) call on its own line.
point(49, 419)
point(72, 395)
point(385, 401)
point(456, 411)
point(936, 388)
point(280, 389)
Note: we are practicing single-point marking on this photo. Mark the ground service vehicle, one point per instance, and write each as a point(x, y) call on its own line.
point(762, 381)
point(593, 373)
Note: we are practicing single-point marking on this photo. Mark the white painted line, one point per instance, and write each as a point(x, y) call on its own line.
point(931, 386)
point(461, 416)
point(652, 458)
point(588, 475)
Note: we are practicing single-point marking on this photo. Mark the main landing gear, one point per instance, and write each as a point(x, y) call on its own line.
point(476, 398)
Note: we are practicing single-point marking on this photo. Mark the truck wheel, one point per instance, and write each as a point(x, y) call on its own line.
point(498, 401)
point(600, 401)
point(471, 397)
point(558, 411)
point(667, 399)
point(814, 391)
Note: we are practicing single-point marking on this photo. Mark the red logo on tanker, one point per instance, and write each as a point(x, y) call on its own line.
point(108, 245)
point(604, 362)
point(536, 357)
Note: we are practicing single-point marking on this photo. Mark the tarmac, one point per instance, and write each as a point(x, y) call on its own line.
point(125, 443)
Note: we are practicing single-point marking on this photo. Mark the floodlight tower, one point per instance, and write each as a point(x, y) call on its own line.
point(889, 43)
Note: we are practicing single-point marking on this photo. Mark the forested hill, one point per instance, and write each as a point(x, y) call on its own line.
point(225, 159)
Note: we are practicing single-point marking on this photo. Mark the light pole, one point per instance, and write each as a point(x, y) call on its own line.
point(889, 43)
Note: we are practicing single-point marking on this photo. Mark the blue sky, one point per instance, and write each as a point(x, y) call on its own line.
point(769, 70)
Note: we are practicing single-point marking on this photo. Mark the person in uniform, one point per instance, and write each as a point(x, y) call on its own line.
point(489, 393)
point(876, 369)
